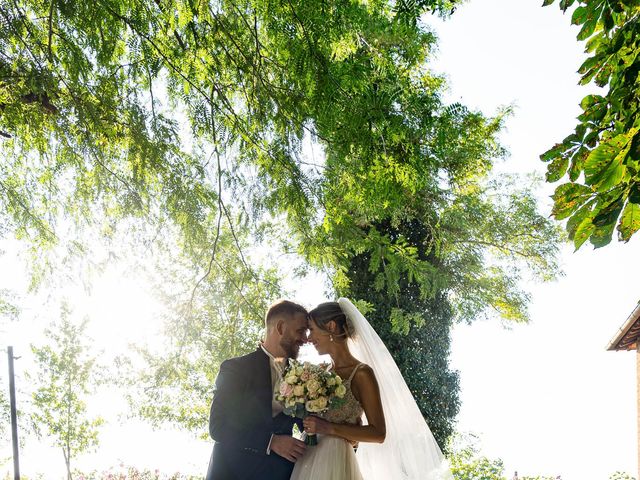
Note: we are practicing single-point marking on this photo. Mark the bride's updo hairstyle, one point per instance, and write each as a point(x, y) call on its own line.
point(328, 311)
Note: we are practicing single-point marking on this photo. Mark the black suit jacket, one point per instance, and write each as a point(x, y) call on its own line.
point(241, 422)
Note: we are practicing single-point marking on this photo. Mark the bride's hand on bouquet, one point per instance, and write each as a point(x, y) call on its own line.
point(314, 425)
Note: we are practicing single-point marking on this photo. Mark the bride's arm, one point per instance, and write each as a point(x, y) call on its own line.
point(365, 388)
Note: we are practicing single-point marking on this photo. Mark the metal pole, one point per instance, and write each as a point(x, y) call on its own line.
point(14, 417)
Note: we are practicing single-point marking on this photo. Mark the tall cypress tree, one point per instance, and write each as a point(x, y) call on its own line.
point(420, 346)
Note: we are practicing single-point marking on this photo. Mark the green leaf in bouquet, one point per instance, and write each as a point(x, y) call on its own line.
point(335, 402)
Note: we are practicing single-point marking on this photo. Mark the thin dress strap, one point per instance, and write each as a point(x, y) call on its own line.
point(353, 372)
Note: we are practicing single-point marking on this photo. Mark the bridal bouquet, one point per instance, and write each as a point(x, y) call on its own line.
point(308, 388)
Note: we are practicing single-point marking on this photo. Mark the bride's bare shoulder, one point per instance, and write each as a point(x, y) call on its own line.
point(364, 374)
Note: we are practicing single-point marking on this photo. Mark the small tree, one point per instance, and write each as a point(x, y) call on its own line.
point(5, 416)
point(8, 312)
point(621, 476)
point(66, 375)
point(468, 464)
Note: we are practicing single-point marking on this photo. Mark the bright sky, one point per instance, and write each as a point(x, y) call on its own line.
point(545, 397)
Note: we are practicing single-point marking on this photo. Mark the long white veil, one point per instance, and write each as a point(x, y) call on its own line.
point(409, 451)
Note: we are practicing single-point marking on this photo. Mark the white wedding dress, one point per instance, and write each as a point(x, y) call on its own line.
point(409, 451)
point(333, 458)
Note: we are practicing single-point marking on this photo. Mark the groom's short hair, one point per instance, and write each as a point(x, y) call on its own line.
point(283, 308)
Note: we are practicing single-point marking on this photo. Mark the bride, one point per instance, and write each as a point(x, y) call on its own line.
point(395, 441)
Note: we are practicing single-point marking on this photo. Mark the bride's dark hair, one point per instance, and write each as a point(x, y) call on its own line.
point(328, 311)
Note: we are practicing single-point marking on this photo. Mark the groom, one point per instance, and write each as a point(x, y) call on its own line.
point(252, 436)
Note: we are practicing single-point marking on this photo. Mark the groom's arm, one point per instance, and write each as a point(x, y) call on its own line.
point(283, 424)
point(233, 420)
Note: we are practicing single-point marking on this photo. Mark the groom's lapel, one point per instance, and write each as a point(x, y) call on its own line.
point(263, 384)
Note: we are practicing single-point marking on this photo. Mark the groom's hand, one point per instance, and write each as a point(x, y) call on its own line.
point(287, 447)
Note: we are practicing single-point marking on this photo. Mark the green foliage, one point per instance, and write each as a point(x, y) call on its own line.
point(418, 336)
point(198, 116)
point(5, 413)
point(8, 308)
point(449, 277)
point(132, 473)
point(222, 318)
point(621, 476)
point(92, 139)
point(602, 156)
point(66, 376)
point(467, 463)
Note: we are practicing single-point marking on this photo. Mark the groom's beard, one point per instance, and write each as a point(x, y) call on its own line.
point(291, 347)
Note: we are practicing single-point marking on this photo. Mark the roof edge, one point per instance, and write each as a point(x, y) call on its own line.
point(635, 315)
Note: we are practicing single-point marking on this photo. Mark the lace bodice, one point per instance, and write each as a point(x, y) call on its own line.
point(350, 410)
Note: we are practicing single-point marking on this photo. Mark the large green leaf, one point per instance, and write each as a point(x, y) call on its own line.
point(583, 230)
point(587, 29)
point(583, 214)
point(605, 222)
point(594, 110)
point(608, 125)
point(568, 198)
point(580, 15)
point(634, 193)
point(553, 152)
point(608, 214)
point(565, 4)
point(591, 100)
point(601, 236)
point(577, 163)
point(557, 169)
point(630, 221)
point(603, 168)
point(634, 150)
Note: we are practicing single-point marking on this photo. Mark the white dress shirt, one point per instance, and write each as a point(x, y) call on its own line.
point(276, 377)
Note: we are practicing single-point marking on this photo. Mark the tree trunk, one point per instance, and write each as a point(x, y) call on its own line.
point(67, 461)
